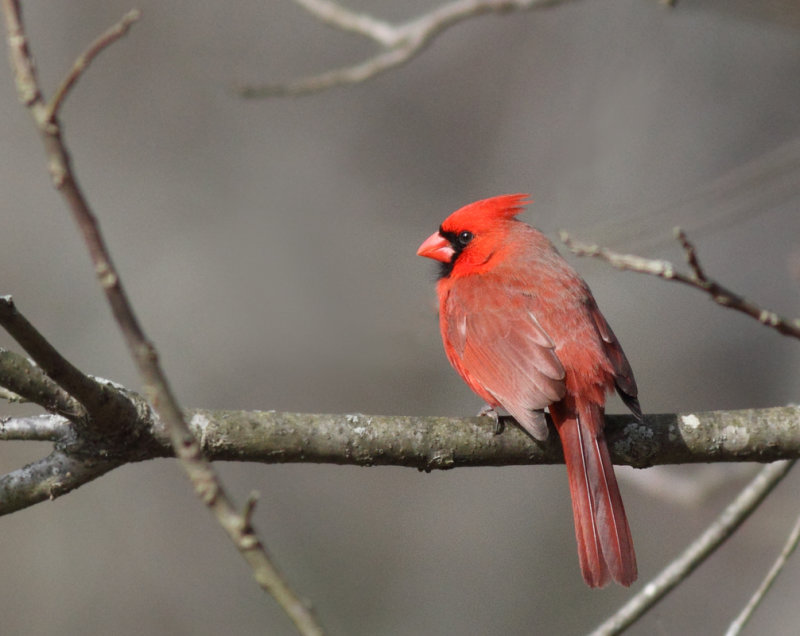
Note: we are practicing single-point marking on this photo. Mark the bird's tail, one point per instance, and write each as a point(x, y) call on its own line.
point(605, 546)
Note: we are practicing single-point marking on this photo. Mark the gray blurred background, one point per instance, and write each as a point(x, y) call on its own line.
point(269, 249)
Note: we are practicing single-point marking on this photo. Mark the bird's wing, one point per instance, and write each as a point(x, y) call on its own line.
point(501, 349)
point(623, 374)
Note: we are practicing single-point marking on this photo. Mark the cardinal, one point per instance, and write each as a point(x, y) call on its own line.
point(522, 329)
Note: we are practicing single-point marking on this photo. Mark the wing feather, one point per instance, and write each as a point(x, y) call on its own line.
point(503, 352)
point(623, 374)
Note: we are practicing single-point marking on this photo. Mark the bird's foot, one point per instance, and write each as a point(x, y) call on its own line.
point(488, 411)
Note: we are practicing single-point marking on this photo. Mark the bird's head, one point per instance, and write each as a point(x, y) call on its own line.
point(470, 236)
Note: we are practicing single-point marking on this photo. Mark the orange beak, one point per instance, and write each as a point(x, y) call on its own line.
point(436, 247)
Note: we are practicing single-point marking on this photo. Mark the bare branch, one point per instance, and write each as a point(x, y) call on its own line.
point(119, 30)
point(697, 279)
point(28, 382)
point(691, 255)
point(355, 74)
point(37, 428)
point(441, 443)
point(49, 478)
point(21, 58)
point(204, 479)
point(342, 18)
point(400, 43)
point(90, 393)
point(789, 547)
point(431, 443)
point(714, 536)
point(249, 508)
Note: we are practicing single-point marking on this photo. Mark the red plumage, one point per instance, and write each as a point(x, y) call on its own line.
point(524, 332)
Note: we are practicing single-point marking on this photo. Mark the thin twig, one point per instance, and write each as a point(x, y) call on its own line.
point(697, 279)
point(384, 61)
point(691, 255)
point(789, 547)
point(87, 391)
point(400, 43)
point(27, 381)
point(117, 31)
point(249, 508)
point(206, 483)
point(344, 19)
point(714, 536)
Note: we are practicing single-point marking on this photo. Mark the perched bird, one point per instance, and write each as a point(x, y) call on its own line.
point(523, 330)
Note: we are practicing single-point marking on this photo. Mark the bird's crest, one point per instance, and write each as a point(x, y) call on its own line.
point(485, 211)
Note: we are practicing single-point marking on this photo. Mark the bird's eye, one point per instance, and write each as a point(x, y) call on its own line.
point(464, 238)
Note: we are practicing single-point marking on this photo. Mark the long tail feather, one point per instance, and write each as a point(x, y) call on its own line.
point(605, 546)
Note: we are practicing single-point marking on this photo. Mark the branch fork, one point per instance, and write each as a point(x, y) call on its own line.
point(399, 43)
point(95, 397)
point(696, 278)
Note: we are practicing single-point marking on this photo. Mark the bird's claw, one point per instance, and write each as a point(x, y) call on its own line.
point(488, 411)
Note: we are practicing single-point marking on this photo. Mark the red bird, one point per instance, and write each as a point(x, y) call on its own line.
point(523, 330)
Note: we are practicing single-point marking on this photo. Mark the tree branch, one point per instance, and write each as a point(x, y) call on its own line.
point(430, 443)
point(117, 31)
point(203, 477)
point(29, 382)
point(697, 279)
point(96, 397)
point(713, 537)
point(55, 475)
point(440, 443)
point(789, 547)
point(36, 428)
point(400, 43)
